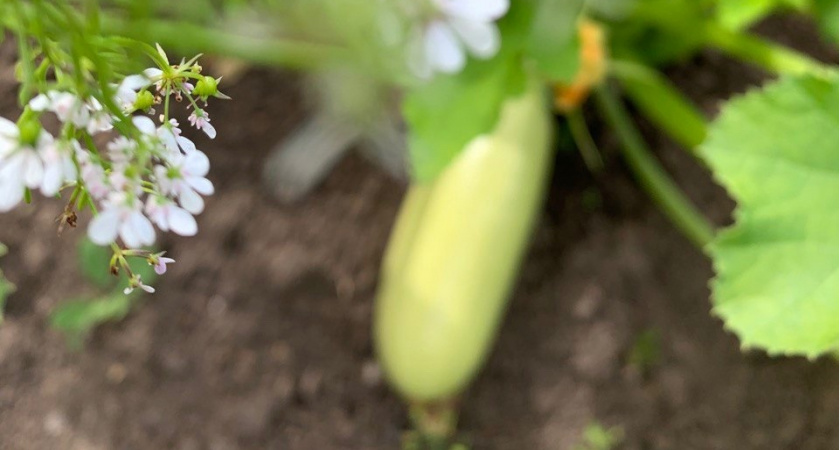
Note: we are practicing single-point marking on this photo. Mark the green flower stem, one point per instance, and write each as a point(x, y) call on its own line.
point(661, 103)
point(583, 139)
point(770, 56)
point(185, 38)
point(651, 175)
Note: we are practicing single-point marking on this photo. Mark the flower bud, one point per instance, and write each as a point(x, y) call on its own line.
point(144, 101)
point(207, 86)
point(30, 129)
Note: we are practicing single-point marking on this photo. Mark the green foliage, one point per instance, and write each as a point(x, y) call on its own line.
point(79, 316)
point(646, 351)
point(93, 262)
point(662, 103)
point(451, 110)
point(6, 287)
point(738, 14)
point(660, 31)
point(597, 437)
point(826, 13)
point(776, 152)
point(553, 42)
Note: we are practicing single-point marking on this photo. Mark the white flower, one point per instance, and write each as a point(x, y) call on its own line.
point(121, 217)
point(58, 165)
point(169, 216)
point(126, 93)
point(68, 107)
point(71, 109)
point(135, 282)
point(93, 176)
point(438, 45)
point(169, 134)
point(201, 120)
point(185, 179)
point(100, 119)
point(159, 262)
point(25, 166)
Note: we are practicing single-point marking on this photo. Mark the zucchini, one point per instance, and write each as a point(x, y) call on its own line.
point(455, 251)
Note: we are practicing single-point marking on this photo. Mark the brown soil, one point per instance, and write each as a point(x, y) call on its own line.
point(260, 335)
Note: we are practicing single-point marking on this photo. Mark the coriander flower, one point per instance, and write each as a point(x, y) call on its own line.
point(201, 120)
point(439, 44)
point(135, 282)
point(121, 217)
point(159, 262)
point(28, 162)
point(185, 179)
point(169, 216)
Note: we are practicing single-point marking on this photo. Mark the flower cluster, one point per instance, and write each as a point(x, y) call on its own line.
point(147, 175)
point(447, 29)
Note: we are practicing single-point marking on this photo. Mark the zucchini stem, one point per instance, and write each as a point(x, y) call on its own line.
point(763, 53)
point(653, 178)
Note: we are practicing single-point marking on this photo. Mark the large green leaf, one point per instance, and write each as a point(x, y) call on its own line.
point(444, 115)
point(552, 42)
point(776, 152)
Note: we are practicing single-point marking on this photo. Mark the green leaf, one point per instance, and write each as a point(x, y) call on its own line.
point(78, 317)
point(93, 262)
point(776, 152)
point(448, 112)
point(826, 13)
point(553, 42)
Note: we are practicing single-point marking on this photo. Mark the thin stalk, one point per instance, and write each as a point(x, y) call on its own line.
point(653, 178)
point(583, 140)
point(662, 103)
point(768, 55)
point(186, 37)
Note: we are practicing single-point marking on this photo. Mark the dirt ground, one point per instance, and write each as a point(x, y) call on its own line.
point(259, 337)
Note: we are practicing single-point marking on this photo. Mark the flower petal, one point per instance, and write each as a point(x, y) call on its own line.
point(201, 185)
point(482, 38)
point(11, 193)
point(144, 124)
point(103, 228)
point(135, 82)
point(209, 130)
point(197, 164)
point(443, 49)
point(478, 10)
point(142, 227)
point(186, 145)
point(190, 200)
point(181, 223)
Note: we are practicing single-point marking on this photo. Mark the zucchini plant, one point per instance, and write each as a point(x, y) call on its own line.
point(479, 83)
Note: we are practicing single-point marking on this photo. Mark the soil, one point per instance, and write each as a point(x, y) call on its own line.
point(259, 337)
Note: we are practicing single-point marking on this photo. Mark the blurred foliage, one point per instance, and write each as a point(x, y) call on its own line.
point(448, 112)
point(775, 151)
point(77, 317)
point(597, 437)
point(646, 351)
point(6, 287)
point(738, 14)
point(826, 13)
